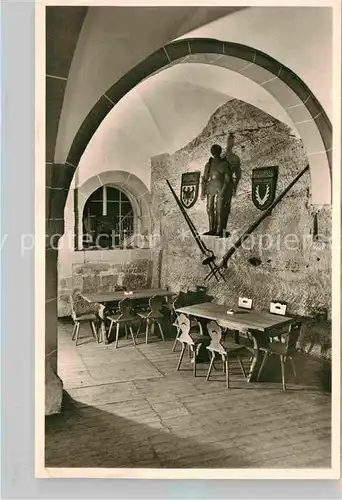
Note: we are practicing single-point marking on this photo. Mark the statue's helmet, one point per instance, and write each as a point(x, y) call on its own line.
point(216, 150)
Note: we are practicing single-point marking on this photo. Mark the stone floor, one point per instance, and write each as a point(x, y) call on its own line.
point(128, 407)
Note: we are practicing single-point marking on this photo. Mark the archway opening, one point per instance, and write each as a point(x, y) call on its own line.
point(300, 104)
point(291, 92)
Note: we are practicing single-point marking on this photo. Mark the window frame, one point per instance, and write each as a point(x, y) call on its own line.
point(135, 211)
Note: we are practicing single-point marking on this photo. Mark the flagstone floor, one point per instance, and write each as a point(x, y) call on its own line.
point(129, 407)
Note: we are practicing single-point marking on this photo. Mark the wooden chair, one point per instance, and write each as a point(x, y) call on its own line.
point(168, 308)
point(126, 317)
point(113, 307)
point(192, 339)
point(153, 316)
point(285, 350)
point(196, 326)
point(278, 308)
point(243, 303)
point(224, 349)
point(81, 315)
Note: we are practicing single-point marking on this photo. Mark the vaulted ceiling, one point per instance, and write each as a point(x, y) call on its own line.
point(164, 113)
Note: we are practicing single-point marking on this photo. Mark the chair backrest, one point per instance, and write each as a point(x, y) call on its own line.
point(291, 338)
point(72, 307)
point(81, 305)
point(125, 309)
point(245, 303)
point(215, 334)
point(278, 308)
point(101, 311)
point(179, 301)
point(156, 303)
point(184, 325)
point(320, 315)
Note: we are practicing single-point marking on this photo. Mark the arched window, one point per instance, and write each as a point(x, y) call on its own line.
point(108, 219)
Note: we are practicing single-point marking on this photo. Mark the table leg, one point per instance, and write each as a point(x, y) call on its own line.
point(102, 316)
point(259, 339)
point(104, 332)
point(202, 354)
point(255, 361)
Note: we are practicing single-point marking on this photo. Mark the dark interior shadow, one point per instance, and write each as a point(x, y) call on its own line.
point(86, 436)
point(310, 372)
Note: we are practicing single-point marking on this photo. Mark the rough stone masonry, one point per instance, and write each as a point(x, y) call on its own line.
point(299, 274)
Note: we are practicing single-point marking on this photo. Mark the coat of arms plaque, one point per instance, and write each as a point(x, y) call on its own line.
point(189, 188)
point(264, 184)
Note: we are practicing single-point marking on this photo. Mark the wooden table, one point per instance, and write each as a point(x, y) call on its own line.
point(146, 293)
point(115, 297)
point(259, 325)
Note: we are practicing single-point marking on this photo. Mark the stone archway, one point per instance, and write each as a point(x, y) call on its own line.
point(299, 102)
point(291, 92)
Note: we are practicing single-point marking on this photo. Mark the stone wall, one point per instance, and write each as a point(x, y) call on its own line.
point(298, 272)
point(129, 268)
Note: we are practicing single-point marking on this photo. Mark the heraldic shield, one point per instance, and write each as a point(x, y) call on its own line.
point(264, 185)
point(190, 188)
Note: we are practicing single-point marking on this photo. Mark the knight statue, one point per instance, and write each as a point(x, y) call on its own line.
point(220, 180)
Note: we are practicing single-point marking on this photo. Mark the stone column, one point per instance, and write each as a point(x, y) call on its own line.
point(76, 220)
point(59, 53)
point(53, 384)
point(58, 179)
